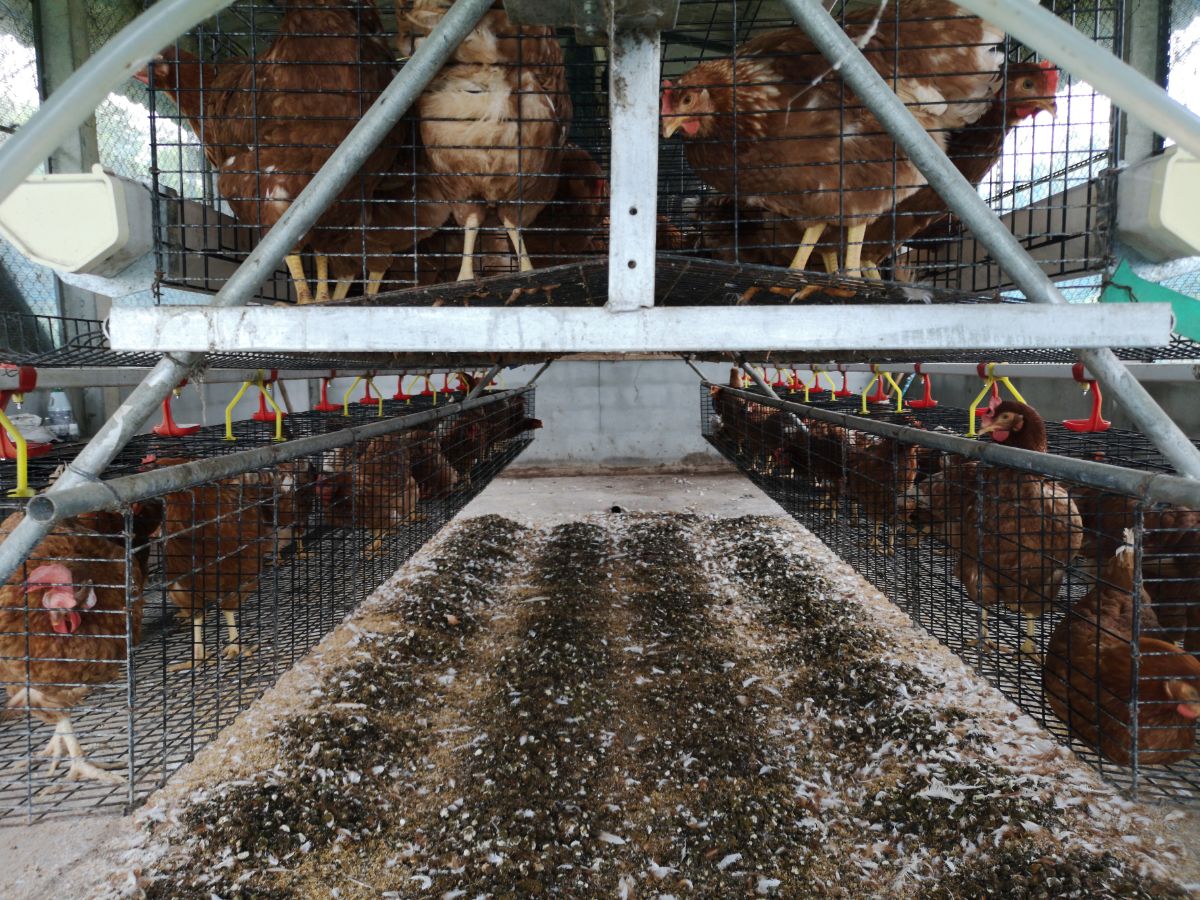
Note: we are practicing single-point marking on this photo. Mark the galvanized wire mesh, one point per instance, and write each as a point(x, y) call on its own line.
point(1046, 178)
point(1043, 175)
point(186, 606)
point(1016, 572)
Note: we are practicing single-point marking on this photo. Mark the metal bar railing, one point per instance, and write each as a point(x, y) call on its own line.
point(54, 507)
point(1148, 486)
point(304, 211)
point(965, 202)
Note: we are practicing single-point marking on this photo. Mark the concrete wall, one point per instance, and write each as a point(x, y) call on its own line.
point(604, 415)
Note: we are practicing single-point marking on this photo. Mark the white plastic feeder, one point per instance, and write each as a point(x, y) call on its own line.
point(86, 223)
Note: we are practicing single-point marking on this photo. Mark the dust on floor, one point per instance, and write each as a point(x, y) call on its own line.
point(639, 706)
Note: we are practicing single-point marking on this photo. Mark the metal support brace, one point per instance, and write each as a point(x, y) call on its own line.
point(757, 378)
point(633, 209)
point(538, 374)
point(324, 188)
point(683, 329)
point(966, 203)
point(483, 382)
point(1064, 45)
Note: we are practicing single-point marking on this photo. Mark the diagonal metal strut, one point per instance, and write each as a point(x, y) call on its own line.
point(324, 188)
point(966, 203)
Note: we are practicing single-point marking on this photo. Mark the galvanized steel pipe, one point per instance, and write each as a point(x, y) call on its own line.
point(966, 203)
point(59, 505)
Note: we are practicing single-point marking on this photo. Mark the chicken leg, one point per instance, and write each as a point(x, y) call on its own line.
point(854, 247)
point(341, 290)
point(829, 257)
point(65, 743)
point(808, 242)
point(322, 277)
point(1028, 647)
point(234, 649)
point(470, 233)
point(514, 235)
point(295, 266)
point(199, 654)
point(375, 282)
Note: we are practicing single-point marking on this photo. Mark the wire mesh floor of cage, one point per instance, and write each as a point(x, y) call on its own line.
point(238, 579)
point(1022, 575)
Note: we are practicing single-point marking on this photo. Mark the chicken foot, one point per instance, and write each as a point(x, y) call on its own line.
point(808, 243)
point(295, 267)
point(64, 743)
point(470, 234)
point(983, 639)
point(829, 257)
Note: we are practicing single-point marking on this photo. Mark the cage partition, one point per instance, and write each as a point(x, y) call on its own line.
point(163, 603)
point(1071, 585)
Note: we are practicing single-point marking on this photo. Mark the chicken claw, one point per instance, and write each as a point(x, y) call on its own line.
point(64, 743)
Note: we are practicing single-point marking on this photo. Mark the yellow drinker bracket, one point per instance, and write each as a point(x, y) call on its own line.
point(990, 379)
point(22, 489)
point(229, 409)
point(278, 412)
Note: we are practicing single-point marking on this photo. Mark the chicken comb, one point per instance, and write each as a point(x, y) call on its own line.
point(668, 97)
point(49, 575)
point(1051, 71)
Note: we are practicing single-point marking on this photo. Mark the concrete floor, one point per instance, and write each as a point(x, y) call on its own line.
point(552, 500)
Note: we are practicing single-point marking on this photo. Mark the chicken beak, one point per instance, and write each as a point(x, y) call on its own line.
point(987, 429)
point(670, 125)
point(1046, 104)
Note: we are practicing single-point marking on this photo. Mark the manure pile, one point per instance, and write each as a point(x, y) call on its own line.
point(643, 707)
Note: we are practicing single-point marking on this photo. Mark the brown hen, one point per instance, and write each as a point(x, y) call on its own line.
point(63, 623)
point(494, 122)
point(1089, 674)
point(777, 126)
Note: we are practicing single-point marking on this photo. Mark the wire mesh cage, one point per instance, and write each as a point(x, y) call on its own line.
point(139, 633)
point(266, 92)
point(1075, 597)
point(781, 164)
point(239, 128)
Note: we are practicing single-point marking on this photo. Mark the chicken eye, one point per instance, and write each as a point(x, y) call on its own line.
point(687, 100)
point(1027, 84)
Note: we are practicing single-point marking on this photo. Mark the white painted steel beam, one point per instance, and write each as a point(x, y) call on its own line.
point(267, 329)
point(633, 88)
